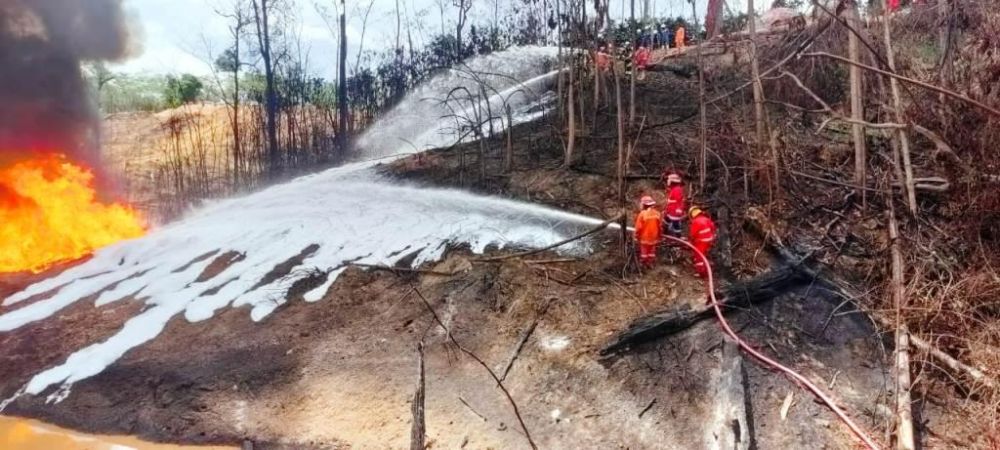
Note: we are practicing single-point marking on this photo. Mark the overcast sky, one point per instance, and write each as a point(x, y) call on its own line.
point(177, 36)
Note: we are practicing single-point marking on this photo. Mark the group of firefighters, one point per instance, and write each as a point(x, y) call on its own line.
point(649, 224)
point(649, 39)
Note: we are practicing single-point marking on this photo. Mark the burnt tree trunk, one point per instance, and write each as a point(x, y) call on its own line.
point(342, 85)
point(260, 10)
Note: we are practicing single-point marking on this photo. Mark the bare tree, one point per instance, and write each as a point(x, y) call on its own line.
point(364, 29)
point(902, 138)
point(342, 82)
point(261, 11)
point(857, 106)
point(463, 16)
point(231, 61)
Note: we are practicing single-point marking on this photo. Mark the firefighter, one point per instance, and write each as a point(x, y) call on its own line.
point(641, 60)
point(673, 211)
point(702, 237)
point(647, 231)
point(602, 59)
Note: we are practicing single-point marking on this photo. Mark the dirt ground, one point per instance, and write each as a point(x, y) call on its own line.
point(340, 373)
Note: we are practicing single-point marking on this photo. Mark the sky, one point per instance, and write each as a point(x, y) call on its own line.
point(182, 36)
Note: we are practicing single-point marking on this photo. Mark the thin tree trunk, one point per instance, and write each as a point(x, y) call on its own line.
point(904, 413)
point(571, 129)
point(944, 42)
point(508, 160)
point(703, 132)
point(758, 88)
point(342, 102)
point(857, 106)
point(621, 162)
point(897, 103)
point(631, 83)
point(597, 90)
point(418, 431)
point(559, 44)
point(264, 39)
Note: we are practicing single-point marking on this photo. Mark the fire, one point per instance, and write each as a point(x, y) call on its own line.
point(49, 213)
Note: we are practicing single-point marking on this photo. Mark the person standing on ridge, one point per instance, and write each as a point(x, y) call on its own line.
point(647, 231)
point(679, 37)
point(702, 237)
point(641, 60)
point(673, 211)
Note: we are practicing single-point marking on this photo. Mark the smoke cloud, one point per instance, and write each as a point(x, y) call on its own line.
point(44, 104)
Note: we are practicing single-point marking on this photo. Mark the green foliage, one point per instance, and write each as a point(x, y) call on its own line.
point(227, 61)
point(183, 90)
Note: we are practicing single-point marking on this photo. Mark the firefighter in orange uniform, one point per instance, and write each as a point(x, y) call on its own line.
point(702, 237)
point(679, 37)
point(673, 212)
point(647, 231)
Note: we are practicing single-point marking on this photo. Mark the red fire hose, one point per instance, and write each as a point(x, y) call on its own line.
point(795, 376)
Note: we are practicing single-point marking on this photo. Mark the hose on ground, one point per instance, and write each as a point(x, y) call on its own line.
point(795, 376)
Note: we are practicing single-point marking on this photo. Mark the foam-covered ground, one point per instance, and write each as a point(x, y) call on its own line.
point(344, 216)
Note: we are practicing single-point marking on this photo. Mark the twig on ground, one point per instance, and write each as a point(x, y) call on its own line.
point(523, 340)
point(647, 408)
point(398, 270)
point(467, 405)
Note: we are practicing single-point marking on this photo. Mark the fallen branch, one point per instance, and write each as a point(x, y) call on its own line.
point(472, 355)
point(594, 230)
point(397, 270)
point(524, 339)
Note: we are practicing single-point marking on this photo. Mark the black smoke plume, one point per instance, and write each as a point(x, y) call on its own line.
point(44, 103)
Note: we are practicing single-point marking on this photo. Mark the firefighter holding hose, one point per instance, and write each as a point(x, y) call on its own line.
point(647, 231)
point(702, 237)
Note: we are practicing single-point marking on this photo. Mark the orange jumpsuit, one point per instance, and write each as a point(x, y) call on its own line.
point(679, 37)
point(702, 237)
point(647, 232)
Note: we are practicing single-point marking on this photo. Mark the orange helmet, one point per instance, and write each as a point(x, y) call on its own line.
point(647, 201)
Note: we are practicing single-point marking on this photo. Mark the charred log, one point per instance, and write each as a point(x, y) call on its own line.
point(736, 295)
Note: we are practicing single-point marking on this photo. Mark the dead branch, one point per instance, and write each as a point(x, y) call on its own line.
point(929, 86)
point(523, 340)
point(904, 408)
point(398, 270)
point(594, 230)
point(492, 374)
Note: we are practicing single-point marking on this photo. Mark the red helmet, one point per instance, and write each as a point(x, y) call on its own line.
point(647, 201)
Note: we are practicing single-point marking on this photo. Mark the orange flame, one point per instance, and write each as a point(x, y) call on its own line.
point(49, 213)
